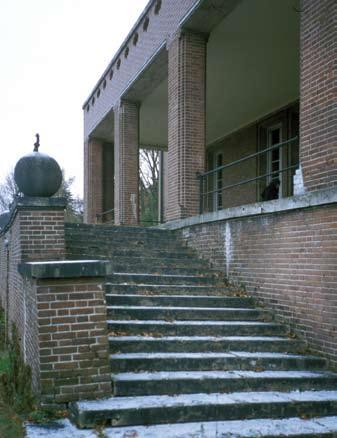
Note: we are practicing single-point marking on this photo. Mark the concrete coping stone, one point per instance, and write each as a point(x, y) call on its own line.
point(65, 269)
point(307, 200)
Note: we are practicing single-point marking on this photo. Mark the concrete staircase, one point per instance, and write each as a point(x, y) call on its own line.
point(186, 349)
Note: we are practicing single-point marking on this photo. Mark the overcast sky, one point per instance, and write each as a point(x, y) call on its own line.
point(52, 54)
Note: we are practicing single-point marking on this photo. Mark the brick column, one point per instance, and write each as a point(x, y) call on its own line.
point(186, 123)
point(93, 180)
point(318, 123)
point(126, 164)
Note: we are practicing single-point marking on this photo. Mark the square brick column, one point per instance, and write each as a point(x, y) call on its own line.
point(93, 180)
point(126, 163)
point(318, 123)
point(65, 337)
point(186, 123)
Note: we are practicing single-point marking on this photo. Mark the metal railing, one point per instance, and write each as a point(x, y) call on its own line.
point(212, 186)
point(106, 217)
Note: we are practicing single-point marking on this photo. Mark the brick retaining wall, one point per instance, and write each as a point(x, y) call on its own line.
point(287, 260)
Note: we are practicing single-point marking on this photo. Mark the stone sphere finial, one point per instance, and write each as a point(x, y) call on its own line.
point(37, 174)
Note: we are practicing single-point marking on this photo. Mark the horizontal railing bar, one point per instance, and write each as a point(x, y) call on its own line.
point(105, 212)
point(276, 172)
point(248, 157)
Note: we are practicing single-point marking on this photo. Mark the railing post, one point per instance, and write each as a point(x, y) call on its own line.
point(201, 193)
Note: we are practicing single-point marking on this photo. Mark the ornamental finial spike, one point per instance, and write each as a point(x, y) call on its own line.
point(37, 143)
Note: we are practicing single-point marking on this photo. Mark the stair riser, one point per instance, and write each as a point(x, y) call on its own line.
point(202, 346)
point(154, 279)
point(180, 414)
point(201, 330)
point(110, 228)
point(108, 243)
point(214, 364)
point(166, 290)
point(185, 386)
point(121, 300)
point(184, 315)
point(184, 254)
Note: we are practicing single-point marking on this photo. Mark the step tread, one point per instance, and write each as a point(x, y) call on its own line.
point(201, 338)
point(235, 374)
point(149, 274)
point(183, 297)
point(208, 355)
point(263, 428)
point(211, 309)
point(235, 398)
point(192, 322)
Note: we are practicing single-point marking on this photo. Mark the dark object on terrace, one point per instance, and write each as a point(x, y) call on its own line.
point(37, 174)
point(271, 191)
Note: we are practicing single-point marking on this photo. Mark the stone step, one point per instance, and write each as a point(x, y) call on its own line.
point(185, 255)
point(147, 278)
point(185, 313)
point(182, 382)
point(294, 427)
point(165, 289)
point(194, 344)
point(163, 261)
point(109, 242)
point(111, 230)
point(157, 328)
point(178, 300)
point(155, 269)
point(231, 360)
point(122, 411)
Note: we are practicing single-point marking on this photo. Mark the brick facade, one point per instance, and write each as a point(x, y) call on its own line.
point(93, 180)
point(186, 123)
point(287, 261)
point(126, 164)
point(319, 93)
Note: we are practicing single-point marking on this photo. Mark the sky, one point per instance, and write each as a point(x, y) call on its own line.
point(52, 54)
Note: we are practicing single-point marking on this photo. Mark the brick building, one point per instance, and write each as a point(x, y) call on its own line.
point(240, 97)
point(210, 83)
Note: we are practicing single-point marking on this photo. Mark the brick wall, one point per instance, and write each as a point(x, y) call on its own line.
point(319, 93)
point(287, 261)
point(126, 164)
point(186, 123)
point(235, 146)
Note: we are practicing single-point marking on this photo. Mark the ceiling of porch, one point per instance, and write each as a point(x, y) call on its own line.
point(252, 70)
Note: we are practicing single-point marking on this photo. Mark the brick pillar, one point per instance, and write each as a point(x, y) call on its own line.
point(65, 329)
point(186, 123)
point(318, 123)
point(93, 180)
point(126, 164)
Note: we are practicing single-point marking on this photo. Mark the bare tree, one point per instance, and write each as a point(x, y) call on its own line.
point(8, 191)
point(149, 161)
point(74, 210)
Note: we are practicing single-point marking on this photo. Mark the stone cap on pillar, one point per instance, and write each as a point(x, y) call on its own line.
point(65, 269)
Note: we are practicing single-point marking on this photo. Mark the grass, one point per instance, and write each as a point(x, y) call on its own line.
point(10, 422)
